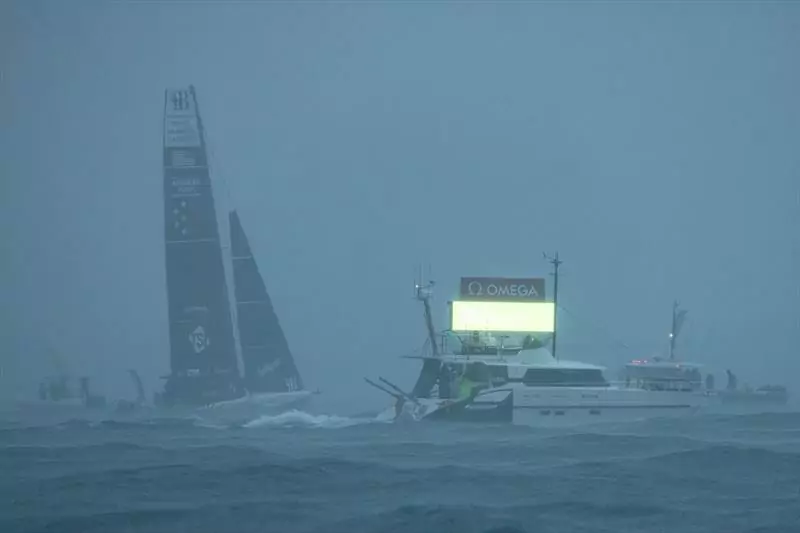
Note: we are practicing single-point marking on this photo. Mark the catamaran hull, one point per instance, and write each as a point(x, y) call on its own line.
point(463, 410)
point(492, 408)
point(244, 409)
point(263, 403)
point(423, 409)
point(751, 401)
point(564, 406)
point(558, 406)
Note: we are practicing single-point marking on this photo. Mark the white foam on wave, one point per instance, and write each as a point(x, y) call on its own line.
point(297, 418)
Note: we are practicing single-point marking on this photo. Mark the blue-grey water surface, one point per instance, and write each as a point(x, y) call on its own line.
point(313, 474)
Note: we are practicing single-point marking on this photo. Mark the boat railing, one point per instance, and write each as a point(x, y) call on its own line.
point(669, 385)
point(618, 384)
point(566, 384)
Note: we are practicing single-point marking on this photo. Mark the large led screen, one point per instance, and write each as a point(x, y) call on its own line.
point(517, 317)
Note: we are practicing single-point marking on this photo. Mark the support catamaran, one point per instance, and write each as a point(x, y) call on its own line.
point(510, 376)
point(676, 376)
point(668, 374)
point(204, 351)
point(681, 378)
point(63, 392)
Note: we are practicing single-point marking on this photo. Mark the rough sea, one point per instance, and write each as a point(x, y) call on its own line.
point(305, 473)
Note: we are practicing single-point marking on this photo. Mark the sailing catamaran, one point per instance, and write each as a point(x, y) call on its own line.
point(203, 345)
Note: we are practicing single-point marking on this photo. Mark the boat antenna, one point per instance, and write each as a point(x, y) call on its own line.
point(556, 262)
point(672, 332)
point(423, 292)
point(677, 322)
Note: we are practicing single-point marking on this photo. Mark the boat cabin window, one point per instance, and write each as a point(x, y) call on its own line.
point(564, 377)
point(488, 350)
point(667, 378)
point(499, 374)
point(486, 374)
point(483, 343)
point(478, 372)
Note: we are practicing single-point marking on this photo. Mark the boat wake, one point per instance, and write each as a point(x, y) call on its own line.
point(288, 419)
point(295, 418)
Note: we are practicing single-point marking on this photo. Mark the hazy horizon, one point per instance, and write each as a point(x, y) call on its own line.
point(654, 146)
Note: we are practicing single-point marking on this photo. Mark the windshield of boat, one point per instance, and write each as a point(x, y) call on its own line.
point(564, 377)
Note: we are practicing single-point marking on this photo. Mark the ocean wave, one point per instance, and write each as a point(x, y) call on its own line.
point(42, 451)
point(301, 419)
point(339, 483)
point(415, 518)
point(155, 423)
point(289, 419)
point(575, 515)
point(103, 522)
point(570, 514)
point(729, 458)
point(617, 440)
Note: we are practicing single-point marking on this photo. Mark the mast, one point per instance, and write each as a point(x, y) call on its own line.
point(556, 262)
point(424, 295)
point(431, 367)
point(223, 210)
point(672, 332)
point(677, 323)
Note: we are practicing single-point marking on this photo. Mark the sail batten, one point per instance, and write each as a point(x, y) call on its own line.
point(268, 362)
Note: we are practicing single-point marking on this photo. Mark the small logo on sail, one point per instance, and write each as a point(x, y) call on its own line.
point(180, 100)
point(199, 339)
point(268, 368)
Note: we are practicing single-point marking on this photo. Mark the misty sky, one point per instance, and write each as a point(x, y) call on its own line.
point(655, 146)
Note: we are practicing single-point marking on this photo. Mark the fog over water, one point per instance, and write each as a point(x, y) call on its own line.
point(655, 146)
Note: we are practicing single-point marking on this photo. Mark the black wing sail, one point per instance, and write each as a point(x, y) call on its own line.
point(202, 350)
point(268, 362)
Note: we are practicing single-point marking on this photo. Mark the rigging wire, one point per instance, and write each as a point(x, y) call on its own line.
point(222, 212)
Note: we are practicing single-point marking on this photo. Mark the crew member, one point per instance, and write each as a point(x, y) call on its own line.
point(464, 386)
point(731, 380)
point(527, 342)
point(445, 382)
